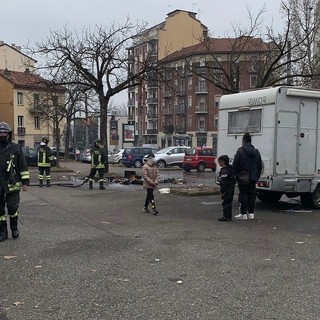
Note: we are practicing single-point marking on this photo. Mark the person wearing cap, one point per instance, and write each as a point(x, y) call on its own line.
point(150, 175)
point(14, 176)
point(44, 159)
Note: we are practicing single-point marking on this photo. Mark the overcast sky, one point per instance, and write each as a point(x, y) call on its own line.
point(24, 21)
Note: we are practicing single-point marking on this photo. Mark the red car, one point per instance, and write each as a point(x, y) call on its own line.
point(199, 158)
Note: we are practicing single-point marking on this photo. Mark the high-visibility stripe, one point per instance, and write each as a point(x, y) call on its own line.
point(14, 215)
point(3, 218)
point(14, 187)
point(24, 175)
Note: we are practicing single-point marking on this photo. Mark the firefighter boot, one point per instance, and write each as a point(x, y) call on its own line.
point(90, 184)
point(40, 183)
point(3, 231)
point(101, 187)
point(14, 227)
point(48, 183)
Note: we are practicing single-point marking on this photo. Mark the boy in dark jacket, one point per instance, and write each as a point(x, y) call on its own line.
point(227, 183)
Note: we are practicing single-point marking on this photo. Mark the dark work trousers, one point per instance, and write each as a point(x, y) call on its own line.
point(227, 202)
point(11, 200)
point(44, 170)
point(247, 197)
point(94, 171)
point(150, 198)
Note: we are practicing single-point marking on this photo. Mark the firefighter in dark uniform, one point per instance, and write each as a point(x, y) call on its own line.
point(14, 175)
point(44, 159)
point(98, 160)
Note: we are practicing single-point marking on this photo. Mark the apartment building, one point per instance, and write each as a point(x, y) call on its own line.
point(195, 79)
point(12, 58)
point(180, 29)
point(23, 98)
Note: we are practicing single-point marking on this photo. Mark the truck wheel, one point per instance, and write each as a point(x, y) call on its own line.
point(269, 196)
point(186, 169)
point(201, 167)
point(311, 200)
point(161, 164)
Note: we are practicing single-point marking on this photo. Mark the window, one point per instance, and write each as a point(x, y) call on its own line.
point(189, 121)
point(253, 81)
point(217, 101)
point(37, 122)
point(202, 124)
point(190, 83)
point(20, 121)
point(36, 100)
point(202, 62)
point(216, 118)
point(21, 143)
point(244, 121)
point(20, 98)
point(189, 102)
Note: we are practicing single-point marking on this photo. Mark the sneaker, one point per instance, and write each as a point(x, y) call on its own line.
point(155, 211)
point(146, 210)
point(250, 216)
point(241, 216)
point(224, 219)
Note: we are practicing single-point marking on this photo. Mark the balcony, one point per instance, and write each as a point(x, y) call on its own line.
point(131, 102)
point(201, 129)
point(201, 109)
point(21, 131)
point(168, 94)
point(152, 131)
point(152, 100)
point(180, 92)
point(201, 89)
point(168, 128)
point(152, 115)
point(180, 129)
point(181, 109)
point(152, 83)
point(36, 110)
point(167, 112)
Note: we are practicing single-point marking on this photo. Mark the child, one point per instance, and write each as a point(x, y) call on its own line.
point(227, 183)
point(150, 174)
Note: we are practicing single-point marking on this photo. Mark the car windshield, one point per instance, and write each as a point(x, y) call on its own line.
point(191, 151)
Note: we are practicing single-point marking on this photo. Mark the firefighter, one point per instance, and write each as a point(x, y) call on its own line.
point(44, 159)
point(98, 160)
point(14, 175)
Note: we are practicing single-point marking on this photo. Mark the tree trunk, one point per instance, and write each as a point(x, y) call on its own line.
point(68, 135)
point(104, 126)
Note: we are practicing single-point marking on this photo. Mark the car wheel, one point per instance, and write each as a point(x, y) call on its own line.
point(137, 164)
point(186, 169)
point(161, 164)
point(201, 167)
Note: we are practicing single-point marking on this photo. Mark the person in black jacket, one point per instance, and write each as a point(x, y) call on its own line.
point(44, 159)
point(14, 175)
point(247, 160)
point(227, 183)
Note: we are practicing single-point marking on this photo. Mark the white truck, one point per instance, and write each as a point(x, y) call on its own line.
point(284, 123)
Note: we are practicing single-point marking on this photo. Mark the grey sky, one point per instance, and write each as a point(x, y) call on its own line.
point(24, 21)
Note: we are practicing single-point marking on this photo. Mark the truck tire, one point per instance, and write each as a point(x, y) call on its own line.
point(269, 196)
point(311, 200)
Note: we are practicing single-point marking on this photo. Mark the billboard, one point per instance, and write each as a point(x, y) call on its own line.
point(128, 132)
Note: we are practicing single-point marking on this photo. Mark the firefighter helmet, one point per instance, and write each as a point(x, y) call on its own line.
point(5, 127)
point(45, 140)
point(97, 143)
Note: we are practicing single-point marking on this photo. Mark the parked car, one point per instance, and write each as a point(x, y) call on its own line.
point(134, 156)
point(199, 158)
point(116, 156)
point(31, 156)
point(62, 153)
point(171, 156)
point(85, 156)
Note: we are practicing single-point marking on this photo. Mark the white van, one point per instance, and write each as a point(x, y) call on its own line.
point(284, 124)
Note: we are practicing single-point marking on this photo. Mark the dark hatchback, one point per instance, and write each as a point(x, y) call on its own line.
point(31, 156)
point(134, 156)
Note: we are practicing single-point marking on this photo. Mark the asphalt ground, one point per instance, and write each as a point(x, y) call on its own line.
point(93, 254)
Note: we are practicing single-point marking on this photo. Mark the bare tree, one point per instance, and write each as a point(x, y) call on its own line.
point(99, 59)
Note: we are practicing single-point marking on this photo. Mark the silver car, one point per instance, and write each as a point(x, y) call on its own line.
point(171, 156)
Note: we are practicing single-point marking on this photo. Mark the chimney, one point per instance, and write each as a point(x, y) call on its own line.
point(13, 45)
point(7, 72)
point(1, 42)
point(27, 70)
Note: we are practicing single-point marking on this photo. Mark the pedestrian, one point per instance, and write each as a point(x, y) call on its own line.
point(150, 175)
point(227, 183)
point(14, 175)
point(98, 160)
point(44, 160)
point(247, 167)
